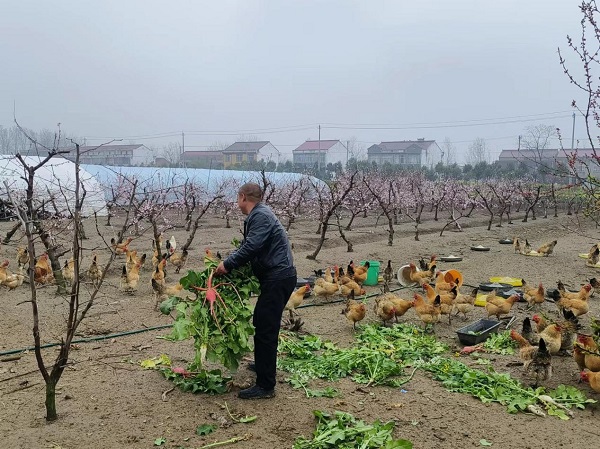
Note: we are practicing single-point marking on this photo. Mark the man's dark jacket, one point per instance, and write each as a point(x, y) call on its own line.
point(265, 246)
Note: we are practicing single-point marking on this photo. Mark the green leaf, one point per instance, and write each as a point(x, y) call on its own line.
point(484, 442)
point(205, 429)
point(159, 441)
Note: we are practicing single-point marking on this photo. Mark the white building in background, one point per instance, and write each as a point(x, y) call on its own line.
point(115, 155)
point(248, 152)
point(328, 151)
point(406, 153)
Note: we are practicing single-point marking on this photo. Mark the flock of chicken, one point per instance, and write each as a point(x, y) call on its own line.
point(441, 296)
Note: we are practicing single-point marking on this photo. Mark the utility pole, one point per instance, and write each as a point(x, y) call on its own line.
point(181, 156)
point(573, 134)
point(319, 153)
point(519, 149)
point(347, 151)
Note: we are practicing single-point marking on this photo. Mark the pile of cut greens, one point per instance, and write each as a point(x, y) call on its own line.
point(380, 354)
point(343, 431)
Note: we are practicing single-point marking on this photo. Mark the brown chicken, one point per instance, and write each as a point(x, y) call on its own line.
point(296, 299)
point(441, 284)
point(500, 307)
point(94, 271)
point(130, 278)
point(401, 306)
point(325, 289)
point(4, 271)
point(351, 286)
point(540, 323)
point(534, 296)
point(589, 348)
point(327, 275)
point(361, 272)
point(159, 272)
point(584, 292)
point(547, 248)
point(68, 271)
point(178, 260)
point(577, 306)
point(355, 311)
point(421, 277)
point(427, 313)
point(593, 256)
point(465, 303)
point(22, 257)
point(120, 249)
point(388, 273)
point(536, 358)
point(516, 245)
point(553, 338)
point(593, 379)
point(446, 299)
point(384, 309)
point(13, 281)
point(43, 273)
point(595, 283)
point(425, 266)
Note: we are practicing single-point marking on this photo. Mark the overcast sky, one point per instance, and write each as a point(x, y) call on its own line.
point(142, 68)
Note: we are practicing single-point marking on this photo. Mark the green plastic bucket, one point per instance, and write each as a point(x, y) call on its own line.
point(372, 273)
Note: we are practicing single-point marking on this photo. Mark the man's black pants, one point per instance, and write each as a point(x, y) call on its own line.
point(267, 322)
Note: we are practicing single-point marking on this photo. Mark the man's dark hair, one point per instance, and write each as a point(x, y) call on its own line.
point(252, 191)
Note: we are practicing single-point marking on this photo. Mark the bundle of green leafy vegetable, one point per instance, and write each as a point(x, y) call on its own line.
point(344, 431)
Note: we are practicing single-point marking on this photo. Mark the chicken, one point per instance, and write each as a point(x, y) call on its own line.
point(427, 313)
point(589, 348)
point(593, 379)
point(534, 296)
point(130, 278)
point(178, 260)
point(43, 273)
point(446, 299)
point(540, 323)
point(528, 333)
point(22, 257)
point(569, 327)
point(552, 335)
point(171, 245)
point(355, 311)
point(325, 289)
point(527, 248)
point(94, 271)
point(388, 273)
point(577, 306)
point(361, 272)
point(162, 290)
point(4, 271)
point(296, 299)
point(595, 285)
point(68, 271)
point(547, 248)
point(593, 256)
point(384, 309)
point(401, 306)
point(159, 272)
point(441, 284)
point(209, 256)
point(352, 286)
point(131, 258)
point(13, 281)
point(120, 249)
point(502, 307)
point(584, 292)
point(579, 355)
point(536, 358)
point(327, 275)
point(421, 277)
point(465, 303)
point(516, 245)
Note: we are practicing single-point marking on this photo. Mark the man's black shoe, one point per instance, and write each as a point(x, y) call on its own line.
point(252, 366)
point(256, 392)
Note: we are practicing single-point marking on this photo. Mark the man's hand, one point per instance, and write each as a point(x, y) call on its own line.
point(221, 270)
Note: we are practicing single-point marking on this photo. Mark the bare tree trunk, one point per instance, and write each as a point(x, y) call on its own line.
point(12, 231)
point(349, 245)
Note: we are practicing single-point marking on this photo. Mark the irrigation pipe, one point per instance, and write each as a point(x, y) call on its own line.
point(344, 300)
point(164, 326)
point(87, 340)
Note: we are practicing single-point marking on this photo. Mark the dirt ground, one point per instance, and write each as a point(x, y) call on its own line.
point(106, 400)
